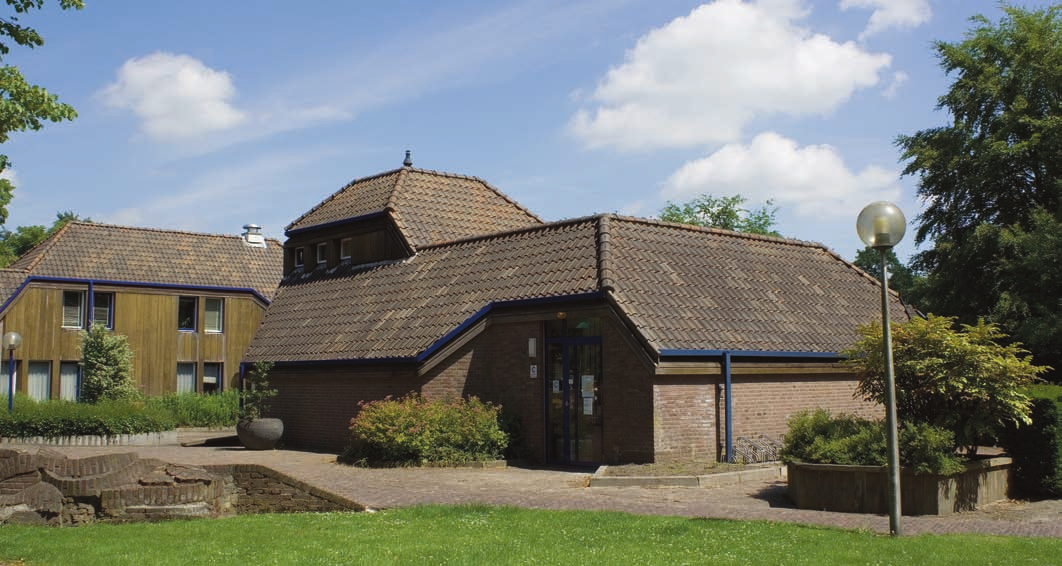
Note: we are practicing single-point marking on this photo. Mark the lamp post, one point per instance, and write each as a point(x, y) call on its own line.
point(881, 226)
point(12, 340)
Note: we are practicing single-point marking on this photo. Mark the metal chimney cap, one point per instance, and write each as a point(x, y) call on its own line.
point(408, 162)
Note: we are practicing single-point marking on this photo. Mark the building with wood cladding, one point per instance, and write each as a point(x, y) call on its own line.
point(611, 339)
point(189, 304)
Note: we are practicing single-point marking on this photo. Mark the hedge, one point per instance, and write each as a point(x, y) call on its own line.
point(56, 419)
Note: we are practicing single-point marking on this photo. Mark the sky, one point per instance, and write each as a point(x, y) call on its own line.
point(204, 116)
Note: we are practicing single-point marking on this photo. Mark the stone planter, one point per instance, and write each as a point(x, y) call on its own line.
point(260, 434)
point(864, 489)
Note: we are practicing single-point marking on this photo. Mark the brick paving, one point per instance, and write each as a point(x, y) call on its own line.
point(554, 489)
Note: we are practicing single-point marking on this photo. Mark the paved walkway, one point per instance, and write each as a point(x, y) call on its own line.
point(552, 489)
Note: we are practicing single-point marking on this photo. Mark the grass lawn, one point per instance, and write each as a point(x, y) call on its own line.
point(498, 535)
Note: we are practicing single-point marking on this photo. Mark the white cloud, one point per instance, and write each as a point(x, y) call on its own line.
point(176, 96)
point(898, 80)
point(10, 175)
point(702, 77)
point(813, 181)
point(890, 14)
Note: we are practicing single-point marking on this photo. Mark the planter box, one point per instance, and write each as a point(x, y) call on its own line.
point(864, 489)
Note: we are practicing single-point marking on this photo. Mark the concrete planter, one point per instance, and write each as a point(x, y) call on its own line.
point(864, 489)
point(260, 434)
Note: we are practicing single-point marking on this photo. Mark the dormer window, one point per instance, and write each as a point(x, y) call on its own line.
point(322, 253)
point(346, 248)
point(300, 259)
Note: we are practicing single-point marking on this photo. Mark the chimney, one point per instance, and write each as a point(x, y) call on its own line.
point(252, 235)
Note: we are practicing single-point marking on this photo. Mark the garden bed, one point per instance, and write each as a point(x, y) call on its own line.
point(864, 489)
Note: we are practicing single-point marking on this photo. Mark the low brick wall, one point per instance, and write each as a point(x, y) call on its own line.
point(264, 490)
point(864, 489)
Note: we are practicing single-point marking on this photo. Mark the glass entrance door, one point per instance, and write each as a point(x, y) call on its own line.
point(575, 416)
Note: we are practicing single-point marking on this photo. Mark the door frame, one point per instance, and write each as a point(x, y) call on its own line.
point(566, 342)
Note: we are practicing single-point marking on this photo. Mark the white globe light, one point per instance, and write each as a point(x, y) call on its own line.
point(881, 225)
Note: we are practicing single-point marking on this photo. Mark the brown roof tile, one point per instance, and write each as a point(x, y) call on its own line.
point(683, 288)
point(105, 252)
point(429, 207)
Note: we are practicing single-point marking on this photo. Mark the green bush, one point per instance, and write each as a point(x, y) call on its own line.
point(1037, 450)
point(54, 419)
point(207, 410)
point(818, 438)
point(107, 363)
point(417, 430)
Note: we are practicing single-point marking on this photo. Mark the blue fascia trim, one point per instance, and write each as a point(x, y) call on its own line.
point(15, 295)
point(749, 354)
point(435, 346)
point(32, 278)
point(297, 231)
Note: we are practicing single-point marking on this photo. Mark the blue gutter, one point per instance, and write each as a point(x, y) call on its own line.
point(90, 282)
point(91, 303)
point(728, 384)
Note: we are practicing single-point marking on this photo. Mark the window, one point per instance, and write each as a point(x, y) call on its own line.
point(69, 381)
point(214, 315)
point(5, 378)
point(211, 378)
point(322, 253)
point(103, 309)
point(40, 381)
point(346, 248)
point(186, 378)
point(73, 309)
point(186, 311)
point(299, 257)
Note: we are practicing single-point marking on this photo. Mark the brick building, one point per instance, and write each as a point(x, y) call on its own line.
point(612, 339)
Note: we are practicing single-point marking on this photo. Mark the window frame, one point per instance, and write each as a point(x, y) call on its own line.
point(32, 379)
point(80, 309)
point(183, 299)
point(218, 384)
point(346, 248)
point(109, 322)
point(322, 253)
point(195, 377)
point(300, 256)
point(221, 315)
point(77, 380)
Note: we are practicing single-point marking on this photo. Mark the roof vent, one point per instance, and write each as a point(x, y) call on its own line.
point(409, 159)
point(252, 235)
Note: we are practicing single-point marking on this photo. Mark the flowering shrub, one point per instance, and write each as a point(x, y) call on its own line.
point(414, 429)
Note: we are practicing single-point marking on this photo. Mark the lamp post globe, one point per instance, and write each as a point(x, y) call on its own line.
point(881, 225)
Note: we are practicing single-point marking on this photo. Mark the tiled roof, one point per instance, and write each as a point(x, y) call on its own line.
point(104, 252)
point(682, 287)
point(399, 309)
point(429, 207)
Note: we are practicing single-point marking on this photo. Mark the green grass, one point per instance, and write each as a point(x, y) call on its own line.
point(499, 535)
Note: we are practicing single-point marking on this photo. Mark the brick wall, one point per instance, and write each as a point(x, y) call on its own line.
point(264, 490)
point(685, 418)
point(626, 400)
point(316, 403)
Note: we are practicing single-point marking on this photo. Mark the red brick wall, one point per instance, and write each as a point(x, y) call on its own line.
point(317, 402)
point(626, 400)
point(685, 418)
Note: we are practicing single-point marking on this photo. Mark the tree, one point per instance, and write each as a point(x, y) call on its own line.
point(901, 278)
point(725, 212)
point(14, 244)
point(992, 177)
point(107, 366)
point(24, 106)
point(969, 382)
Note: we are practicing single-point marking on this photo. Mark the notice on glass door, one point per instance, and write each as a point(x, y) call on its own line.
point(588, 406)
point(588, 386)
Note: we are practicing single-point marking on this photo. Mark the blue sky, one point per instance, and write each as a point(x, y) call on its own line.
point(204, 115)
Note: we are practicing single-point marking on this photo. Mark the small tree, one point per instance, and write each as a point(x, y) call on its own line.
point(107, 366)
point(254, 399)
point(723, 212)
point(965, 381)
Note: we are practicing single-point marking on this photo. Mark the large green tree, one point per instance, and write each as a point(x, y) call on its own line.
point(991, 179)
point(722, 212)
point(24, 106)
point(14, 243)
point(901, 278)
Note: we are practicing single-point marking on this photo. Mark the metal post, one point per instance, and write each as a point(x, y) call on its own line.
point(11, 382)
point(892, 442)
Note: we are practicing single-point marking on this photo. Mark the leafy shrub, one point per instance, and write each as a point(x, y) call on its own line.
point(54, 419)
point(191, 409)
point(107, 363)
point(963, 381)
point(414, 429)
point(818, 438)
point(1037, 450)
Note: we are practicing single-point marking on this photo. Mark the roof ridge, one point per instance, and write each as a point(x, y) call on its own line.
point(512, 232)
point(333, 196)
point(718, 231)
point(44, 245)
point(604, 250)
point(156, 230)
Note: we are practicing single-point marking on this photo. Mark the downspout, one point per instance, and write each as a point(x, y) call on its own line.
point(729, 390)
point(91, 302)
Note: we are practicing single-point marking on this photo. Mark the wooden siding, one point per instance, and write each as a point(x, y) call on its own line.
point(374, 239)
point(148, 317)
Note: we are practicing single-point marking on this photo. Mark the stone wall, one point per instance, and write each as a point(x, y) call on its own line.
point(264, 490)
